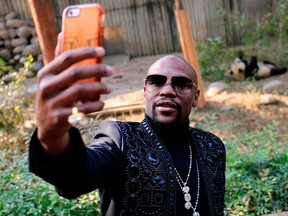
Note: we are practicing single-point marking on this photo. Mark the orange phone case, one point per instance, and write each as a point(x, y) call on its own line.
point(82, 26)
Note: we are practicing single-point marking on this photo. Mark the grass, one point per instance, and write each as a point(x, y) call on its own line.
point(256, 174)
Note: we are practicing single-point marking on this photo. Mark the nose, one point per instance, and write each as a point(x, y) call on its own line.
point(167, 89)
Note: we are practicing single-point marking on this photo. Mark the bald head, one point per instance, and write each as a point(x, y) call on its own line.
point(173, 64)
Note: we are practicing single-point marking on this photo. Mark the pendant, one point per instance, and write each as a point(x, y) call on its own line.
point(188, 205)
point(185, 189)
point(196, 213)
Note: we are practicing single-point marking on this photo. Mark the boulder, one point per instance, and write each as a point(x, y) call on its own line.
point(32, 49)
point(2, 26)
point(16, 23)
point(12, 33)
point(272, 86)
point(40, 58)
point(22, 60)
point(25, 31)
point(19, 42)
point(34, 40)
point(35, 66)
point(5, 54)
point(11, 15)
point(215, 88)
point(18, 49)
point(7, 43)
point(4, 34)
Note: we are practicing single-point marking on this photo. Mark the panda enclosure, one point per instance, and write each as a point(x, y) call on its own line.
point(148, 27)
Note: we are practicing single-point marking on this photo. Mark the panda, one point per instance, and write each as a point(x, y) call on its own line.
point(241, 70)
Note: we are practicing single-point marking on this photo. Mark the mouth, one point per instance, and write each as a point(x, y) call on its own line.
point(166, 106)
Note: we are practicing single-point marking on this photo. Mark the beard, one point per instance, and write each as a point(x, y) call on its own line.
point(176, 121)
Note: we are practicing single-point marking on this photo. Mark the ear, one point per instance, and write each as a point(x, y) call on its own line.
point(195, 99)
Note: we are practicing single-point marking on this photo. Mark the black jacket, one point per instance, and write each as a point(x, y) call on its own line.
point(132, 169)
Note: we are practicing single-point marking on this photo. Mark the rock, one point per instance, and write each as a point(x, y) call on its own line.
point(11, 61)
point(34, 33)
point(215, 88)
point(17, 57)
point(31, 90)
point(7, 43)
point(12, 33)
point(18, 49)
point(29, 74)
point(23, 59)
point(226, 107)
point(4, 34)
point(250, 87)
point(272, 85)
point(16, 23)
point(40, 58)
point(19, 42)
point(7, 78)
point(25, 31)
point(267, 99)
point(11, 15)
point(5, 54)
point(35, 66)
point(2, 26)
point(34, 40)
point(32, 49)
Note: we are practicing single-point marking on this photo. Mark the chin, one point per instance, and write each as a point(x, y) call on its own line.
point(166, 121)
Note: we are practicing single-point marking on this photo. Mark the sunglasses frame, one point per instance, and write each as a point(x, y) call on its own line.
point(169, 80)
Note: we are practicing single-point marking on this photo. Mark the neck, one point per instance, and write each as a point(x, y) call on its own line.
point(170, 134)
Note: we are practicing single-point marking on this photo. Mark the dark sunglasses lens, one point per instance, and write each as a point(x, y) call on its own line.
point(155, 82)
point(182, 85)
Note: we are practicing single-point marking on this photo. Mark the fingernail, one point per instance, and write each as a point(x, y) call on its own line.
point(109, 70)
point(109, 88)
point(100, 51)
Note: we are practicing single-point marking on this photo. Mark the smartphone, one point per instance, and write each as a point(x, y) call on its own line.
point(82, 26)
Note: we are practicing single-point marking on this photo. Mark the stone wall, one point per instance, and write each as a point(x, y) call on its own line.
point(18, 40)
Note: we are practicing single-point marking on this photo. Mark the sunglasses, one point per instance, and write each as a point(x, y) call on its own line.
point(181, 85)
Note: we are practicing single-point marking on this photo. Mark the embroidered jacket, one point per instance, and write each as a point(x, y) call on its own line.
point(136, 176)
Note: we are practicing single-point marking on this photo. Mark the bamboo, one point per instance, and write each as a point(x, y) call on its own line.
point(188, 46)
point(46, 29)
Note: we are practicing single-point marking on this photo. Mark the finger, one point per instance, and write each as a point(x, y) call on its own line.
point(59, 44)
point(60, 116)
point(74, 74)
point(91, 106)
point(69, 58)
point(79, 92)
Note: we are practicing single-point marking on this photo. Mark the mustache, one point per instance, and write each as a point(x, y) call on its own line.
point(178, 106)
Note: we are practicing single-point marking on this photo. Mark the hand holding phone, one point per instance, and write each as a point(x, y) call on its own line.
point(82, 26)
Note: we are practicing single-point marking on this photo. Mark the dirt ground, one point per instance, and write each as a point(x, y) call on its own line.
point(240, 103)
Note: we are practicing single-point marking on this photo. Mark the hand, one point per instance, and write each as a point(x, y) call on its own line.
point(57, 93)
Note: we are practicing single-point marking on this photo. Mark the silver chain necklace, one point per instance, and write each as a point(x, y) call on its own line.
point(185, 188)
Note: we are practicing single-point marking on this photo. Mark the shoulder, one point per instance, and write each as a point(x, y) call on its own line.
point(114, 129)
point(206, 139)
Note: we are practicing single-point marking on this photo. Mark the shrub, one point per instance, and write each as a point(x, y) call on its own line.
point(22, 193)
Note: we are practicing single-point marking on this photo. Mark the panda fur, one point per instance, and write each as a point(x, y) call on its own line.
point(241, 70)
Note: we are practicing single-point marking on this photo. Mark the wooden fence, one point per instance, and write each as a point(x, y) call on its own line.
point(147, 27)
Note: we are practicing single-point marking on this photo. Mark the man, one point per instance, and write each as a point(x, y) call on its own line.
point(160, 166)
